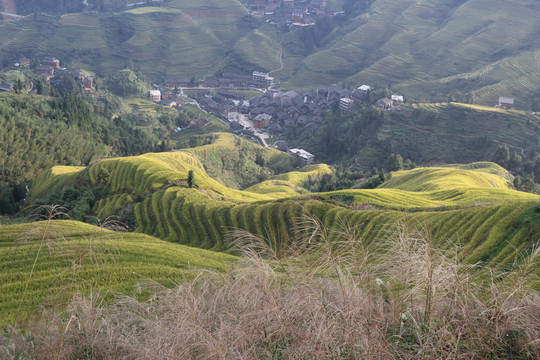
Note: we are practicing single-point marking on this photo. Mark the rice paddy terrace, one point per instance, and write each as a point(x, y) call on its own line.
point(51, 260)
point(447, 133)
point(437, 47)
point(183, 38)
point(470, 206)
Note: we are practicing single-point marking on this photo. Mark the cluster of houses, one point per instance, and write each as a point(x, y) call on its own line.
point(295, 13)
point(164, 93)
point(166, 97)
point(235, 81)
point(274, 112)
point(394, 101)
point(50, 66)
point(282, 145)
point(277, 111)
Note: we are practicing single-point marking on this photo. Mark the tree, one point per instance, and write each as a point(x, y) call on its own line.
point(39, 87)
point(502, 155)
point(528, 184)
point(517, 182)
point(190, 179)
point(382, 176)
point(515, 162)
point(259, 160)
point(7, 202)
point(18, 86)
point(395, 162)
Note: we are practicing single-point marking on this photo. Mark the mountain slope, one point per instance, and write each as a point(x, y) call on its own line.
point(471, 207)
point(437, 49)
point(425, 133)
point(71, 256)
point(467, 50)
point(181, 39)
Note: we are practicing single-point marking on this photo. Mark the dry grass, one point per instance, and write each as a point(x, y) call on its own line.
point(320, 300)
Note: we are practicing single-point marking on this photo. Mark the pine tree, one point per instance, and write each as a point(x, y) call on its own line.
point(39, 87)
point(190, 179)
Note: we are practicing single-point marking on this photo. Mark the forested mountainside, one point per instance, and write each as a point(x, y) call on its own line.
point(424, 133)
point(38, 132)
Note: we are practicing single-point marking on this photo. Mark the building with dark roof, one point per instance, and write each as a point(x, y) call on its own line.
point(6, 87)
point(51, 61)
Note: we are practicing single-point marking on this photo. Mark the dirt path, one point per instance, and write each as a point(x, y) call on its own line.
point(280, 55)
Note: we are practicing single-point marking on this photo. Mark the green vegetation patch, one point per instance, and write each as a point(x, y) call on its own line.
point(44, 262)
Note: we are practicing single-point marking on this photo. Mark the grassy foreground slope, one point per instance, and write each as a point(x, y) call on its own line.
point(474, 210)
point(71, 256)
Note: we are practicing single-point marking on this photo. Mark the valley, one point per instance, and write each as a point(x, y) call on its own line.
point(281, 179)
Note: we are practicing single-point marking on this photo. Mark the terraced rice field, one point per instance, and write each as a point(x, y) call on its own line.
point(423, 48)
point(49, 261)
point(453, 132)
point(472, 206)
point(178, 39)
point(427, 51)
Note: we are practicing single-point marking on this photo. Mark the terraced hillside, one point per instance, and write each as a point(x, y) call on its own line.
point(431, 50)
point(425, 133)
point(472, 207)
point(49, 261)
point(436, 48)
point(184, 38)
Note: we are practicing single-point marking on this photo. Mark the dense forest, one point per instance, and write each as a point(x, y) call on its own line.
point(37, 132)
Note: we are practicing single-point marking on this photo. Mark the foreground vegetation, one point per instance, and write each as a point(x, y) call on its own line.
point(44, 263)
point(319, 299)
point(434, 262)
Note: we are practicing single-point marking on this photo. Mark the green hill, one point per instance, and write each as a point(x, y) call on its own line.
point(468, 50)
point(471, 207)
point(49, 261)
point(436, 49)
point(38, 131)
point(180, 39)
point(426, 133)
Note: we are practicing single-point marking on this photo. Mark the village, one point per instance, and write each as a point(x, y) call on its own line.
point(267, 116)
point(48, 68)
point(290, 13)
point(272, 113)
